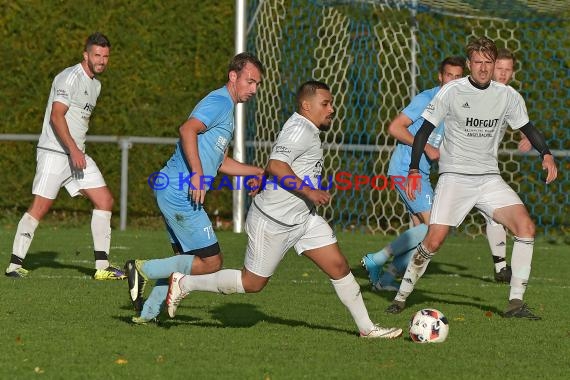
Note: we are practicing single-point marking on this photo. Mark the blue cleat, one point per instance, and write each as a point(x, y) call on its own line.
point(371, 267)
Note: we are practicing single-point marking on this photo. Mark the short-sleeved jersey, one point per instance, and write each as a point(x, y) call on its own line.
point(298, 145)
point(402, 154)
point(74, 88)
point(475, 122)
point(216, 112)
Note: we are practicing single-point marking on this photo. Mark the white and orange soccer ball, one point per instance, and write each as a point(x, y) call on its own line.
point(429, 326)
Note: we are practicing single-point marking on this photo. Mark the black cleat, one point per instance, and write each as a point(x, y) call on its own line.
point(396, 307)
point(136, 281)
point(518, 309)
point(504, 275)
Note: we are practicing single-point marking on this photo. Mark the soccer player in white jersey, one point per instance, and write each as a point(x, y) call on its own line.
point(496, 234)
point(285, 216)
point(62, 161)
point(475, 111)
point(403, 128)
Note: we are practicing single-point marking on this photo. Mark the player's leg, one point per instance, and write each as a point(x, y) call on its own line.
point(268, 241)
point(419, 209)
point(455, 196)
point(52, 169)
point(89, 182)
point(497, 238)
point(320, 246)
point(507, 209)
point(396, 268)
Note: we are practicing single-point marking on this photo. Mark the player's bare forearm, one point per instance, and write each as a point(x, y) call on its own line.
point(189, 141)
point(232, 167)
point(61, 129)
point(285, 175)
point(398, 129)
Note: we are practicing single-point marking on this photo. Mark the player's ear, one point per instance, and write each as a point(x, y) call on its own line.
point(233, 76)
point(305, 105)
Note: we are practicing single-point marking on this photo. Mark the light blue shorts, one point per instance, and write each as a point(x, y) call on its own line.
point(423, 200)
point(189, 227)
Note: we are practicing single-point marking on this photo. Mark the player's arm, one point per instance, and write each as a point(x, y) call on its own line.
point(232, 167)
point(398, 129)
point(420, 141)
point(189, 141)
point(61, 129)
point(539, 143)
point(284, 175)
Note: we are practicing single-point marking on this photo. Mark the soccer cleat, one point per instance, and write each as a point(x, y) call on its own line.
point(396, 307)
point(17, 273)
point(392, 286)
point(109, 273)
point(382, 332)
point(143, 321)
point(137, 281)
point(371, 267)
point(175, 294)
point(518, 309)
point(504, 275)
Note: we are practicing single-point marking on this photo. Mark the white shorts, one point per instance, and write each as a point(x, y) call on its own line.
point(269, 240)
point(54, 170)
point(455, 195)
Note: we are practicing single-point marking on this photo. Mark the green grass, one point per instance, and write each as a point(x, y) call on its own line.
point(58, 323)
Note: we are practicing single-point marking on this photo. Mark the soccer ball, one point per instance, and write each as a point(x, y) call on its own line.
point(429, 326)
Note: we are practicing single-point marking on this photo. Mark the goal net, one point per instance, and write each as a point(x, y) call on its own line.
point(375, 56)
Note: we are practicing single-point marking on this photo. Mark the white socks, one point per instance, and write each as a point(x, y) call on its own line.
point(521, 264)
point(101, 231)
point(497, 237)
point(226, 281)
point(348, 291)
point(24, 236)
point(416, 268)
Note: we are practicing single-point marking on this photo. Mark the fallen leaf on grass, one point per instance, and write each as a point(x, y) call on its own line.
point(121, 361)
point(38, 370)
point(488, 314)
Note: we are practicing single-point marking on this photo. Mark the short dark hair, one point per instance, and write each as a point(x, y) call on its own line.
point(504, 53)
point(97, 39)
point(308, 89)
point(484, 46)
point(454, 60)
point(239, 61)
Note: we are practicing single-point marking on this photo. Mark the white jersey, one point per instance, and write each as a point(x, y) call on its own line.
point(475, 122)
point(74, 88)
point(298, 145)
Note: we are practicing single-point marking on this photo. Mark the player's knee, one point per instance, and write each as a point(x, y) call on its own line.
point(213, 264)
point(254, 286)
point(525, 228)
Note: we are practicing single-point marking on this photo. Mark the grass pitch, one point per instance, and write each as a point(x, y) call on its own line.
point(59, 323)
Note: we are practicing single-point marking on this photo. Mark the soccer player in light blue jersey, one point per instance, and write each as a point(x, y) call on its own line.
point(181, 187)
point(404, 128)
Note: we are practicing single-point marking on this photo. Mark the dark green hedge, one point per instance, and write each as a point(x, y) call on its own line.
point(165, 56)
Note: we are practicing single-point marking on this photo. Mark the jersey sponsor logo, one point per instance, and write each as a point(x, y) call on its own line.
point(221, 143)
point(281, 149)
point(430, 108)
point(488, 123)
point(61, 92)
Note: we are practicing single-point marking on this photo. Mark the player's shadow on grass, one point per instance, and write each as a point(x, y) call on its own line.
point(244, 315)
point(48, 259)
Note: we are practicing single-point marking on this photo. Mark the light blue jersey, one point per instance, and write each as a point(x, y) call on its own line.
point(401, 157)
point(216, 112)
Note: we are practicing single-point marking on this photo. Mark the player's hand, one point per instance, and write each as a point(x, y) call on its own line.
point(318, 197)
point(77, 158)
point(431, 152)
point(197, 191)
point(413, 184)
point(524, 145)
point(254, 185)
point(549, 165)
